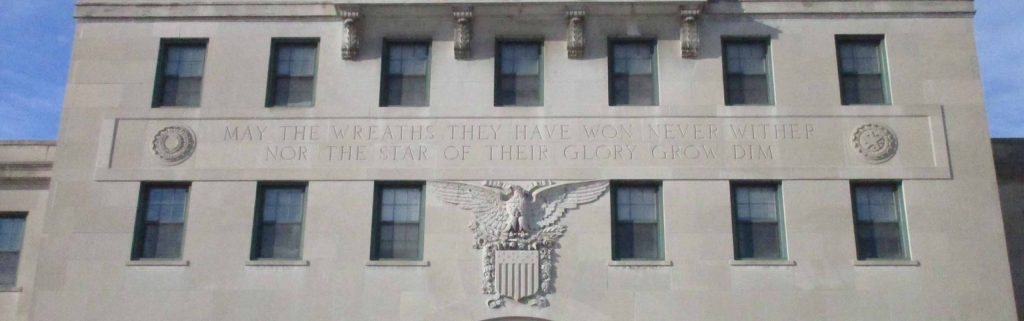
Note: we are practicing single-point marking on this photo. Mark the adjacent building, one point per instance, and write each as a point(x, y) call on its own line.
point(1009, 157)
point(515, 160)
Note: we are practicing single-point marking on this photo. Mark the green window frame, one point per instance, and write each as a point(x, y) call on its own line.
point(747, 65)
point(879, 216)
point(629, 197)
point(627, 69)
point(515, 85)
point(179, 73)
point(12, 235)
point(291, 78)
point(757, 218)
point(160, 221)
point(279, 219)
point(405, 74)
point(863, 70)
point(387, 221)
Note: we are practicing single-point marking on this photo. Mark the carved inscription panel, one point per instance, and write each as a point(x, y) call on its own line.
point(562, 148)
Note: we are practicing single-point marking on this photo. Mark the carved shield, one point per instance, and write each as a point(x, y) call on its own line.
point(516, 273)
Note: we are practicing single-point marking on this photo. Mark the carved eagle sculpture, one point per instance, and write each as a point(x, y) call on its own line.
point(502, 211)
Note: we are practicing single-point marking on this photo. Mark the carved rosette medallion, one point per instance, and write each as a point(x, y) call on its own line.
point(576, 41)
point(518, 229)
point(174, 145)
point(350, 39)
point(463, 33)
point(876, 143)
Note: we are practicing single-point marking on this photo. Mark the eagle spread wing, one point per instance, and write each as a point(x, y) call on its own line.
point(551, 204)
point(484, 202)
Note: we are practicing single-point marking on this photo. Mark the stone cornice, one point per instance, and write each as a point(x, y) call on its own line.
point(256, 9)
point(26, 160)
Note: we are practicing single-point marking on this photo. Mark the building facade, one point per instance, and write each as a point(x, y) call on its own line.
point(504, 160)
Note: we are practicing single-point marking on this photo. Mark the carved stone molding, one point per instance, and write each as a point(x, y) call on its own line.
point(518, 229)
point(350, 40)
point(575, 40)
point(174, 145)
point(876, 143)
point(689, 34)
point(463, 32)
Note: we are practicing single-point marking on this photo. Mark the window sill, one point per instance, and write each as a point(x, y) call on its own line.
point(640, 263)
point(886, 263)
point(13, 289)
point(762, 263)
point(277, 263)
point(396, 263)
point(158, 263)
point(174, 107)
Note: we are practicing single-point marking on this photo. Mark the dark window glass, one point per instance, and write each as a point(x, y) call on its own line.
point(747, 70)
point(878, 221)
point(161, 222)
point(518, 74)
point(756, 222)
point(632, 73)
point(12, 230)
point(398, 222)
point(405, 74)
point(637, 222)
point(293, 73)
point(180, 78)
point(862, 71)
point(279, 216)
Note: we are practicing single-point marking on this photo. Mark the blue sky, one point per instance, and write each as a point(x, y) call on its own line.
point(37, 38)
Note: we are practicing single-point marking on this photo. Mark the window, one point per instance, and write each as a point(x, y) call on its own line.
point(397, 217)
point(179, 80)
point(292, 73)
point(632, 80)
point(279, 215)
point(747, 72)
point(518, 76)
point(406, 66)
point(862, 70)
point(878, 221)
point(160, 222)
point(637, 221)
point(757, 227)
point(12, 230)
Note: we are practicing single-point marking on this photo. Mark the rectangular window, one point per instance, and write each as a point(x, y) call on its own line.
point(160, 222)
point(747, 72)
point(279, 214)
point(12, 230)
point(397, 228)
point(179, 79)
point(636, 213)
point(757, 222)
point(292, 73)
point(405, 69)
point(632, 73)
point(878, 218)
point(518, 77)
point(862, 70)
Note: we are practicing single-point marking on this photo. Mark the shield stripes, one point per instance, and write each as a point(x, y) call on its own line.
point(517, 273)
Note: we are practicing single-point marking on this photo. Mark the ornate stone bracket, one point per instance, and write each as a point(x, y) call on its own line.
point(575, 38)
point(463, 32)
point(689, 35)
point(350, 40)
